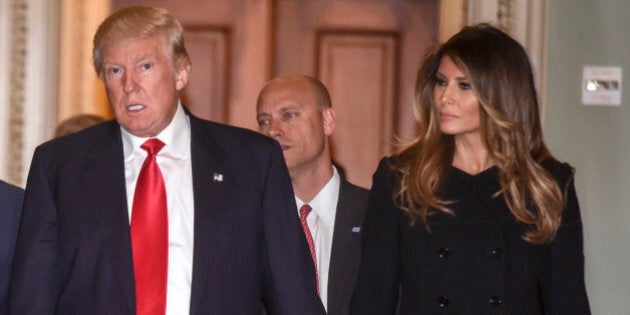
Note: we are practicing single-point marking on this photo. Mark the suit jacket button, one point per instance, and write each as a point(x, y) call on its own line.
point(443, 252)
point(443, 301)
point(497, 253)
point(496, 301)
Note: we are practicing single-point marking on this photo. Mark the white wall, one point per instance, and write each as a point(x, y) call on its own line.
point(595, 140)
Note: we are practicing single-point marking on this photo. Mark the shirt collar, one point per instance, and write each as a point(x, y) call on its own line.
point(324, 204)
point(176, 137)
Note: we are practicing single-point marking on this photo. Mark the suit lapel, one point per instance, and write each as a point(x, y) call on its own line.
point(344, 253)
point(104, 180)
point(212, 181)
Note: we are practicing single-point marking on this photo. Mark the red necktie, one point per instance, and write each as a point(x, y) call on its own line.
point(304, 211)
point(149, 235)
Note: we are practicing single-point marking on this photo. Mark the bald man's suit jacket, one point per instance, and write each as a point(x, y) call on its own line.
point(73, 254)
point(10, 207)
point(346, 247)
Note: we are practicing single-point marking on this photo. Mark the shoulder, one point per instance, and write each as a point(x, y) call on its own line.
point(561, 171)
point(73, 151)
point(352, 191)
point(386, 178)
point(350, 187)
point(84, 138)
point(389, 168)
point(11, 198)
point(246, 150)
point(229, 136)
point(10, 192)
point(388, 164)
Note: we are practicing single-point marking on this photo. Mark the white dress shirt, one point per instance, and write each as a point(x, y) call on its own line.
point(321, 222)
point(176, 167)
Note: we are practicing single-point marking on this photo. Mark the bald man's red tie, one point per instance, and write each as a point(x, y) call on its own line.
point(149, 235)
point(304, 212)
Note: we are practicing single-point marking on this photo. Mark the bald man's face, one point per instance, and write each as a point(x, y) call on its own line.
point(288, 111)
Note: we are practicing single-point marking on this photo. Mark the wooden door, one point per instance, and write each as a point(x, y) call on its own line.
point(366, 51)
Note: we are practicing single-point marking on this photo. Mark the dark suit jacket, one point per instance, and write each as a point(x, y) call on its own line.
point(10, 207)
point(73, 254)
point(473, 263)
point(346, 247)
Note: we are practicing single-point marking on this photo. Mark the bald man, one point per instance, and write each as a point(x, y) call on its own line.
point(296, 111)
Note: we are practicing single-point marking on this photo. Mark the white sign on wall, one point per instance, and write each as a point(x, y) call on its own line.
point(601, 85)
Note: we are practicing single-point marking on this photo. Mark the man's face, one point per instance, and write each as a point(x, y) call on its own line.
point(142, 84)
point(289, 113)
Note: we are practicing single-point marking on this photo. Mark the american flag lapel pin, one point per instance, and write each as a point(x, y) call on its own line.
point(217, 178)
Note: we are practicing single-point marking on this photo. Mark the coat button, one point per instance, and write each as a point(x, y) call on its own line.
point(497, 253)
point(443, 252)
point(496, 301)
point(443, 301)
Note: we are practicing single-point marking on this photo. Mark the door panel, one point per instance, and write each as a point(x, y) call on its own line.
point(206, 92)
point(359, 69)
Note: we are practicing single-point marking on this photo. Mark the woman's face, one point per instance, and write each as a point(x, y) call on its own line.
point(455, 101)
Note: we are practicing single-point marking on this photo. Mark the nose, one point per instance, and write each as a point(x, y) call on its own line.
point(445, 94)
point(129, 82)
point(275, 129)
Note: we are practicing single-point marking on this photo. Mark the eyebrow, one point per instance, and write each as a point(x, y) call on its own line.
point(144, 57)
point(283, 109)
point(109, 62)
point(464, 78)
point(134, 61)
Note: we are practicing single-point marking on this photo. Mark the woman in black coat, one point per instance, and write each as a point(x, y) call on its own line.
point(475, 216)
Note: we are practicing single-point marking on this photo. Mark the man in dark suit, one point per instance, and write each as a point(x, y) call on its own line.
point(10, 207)
point(220, 233)
point(297, 112)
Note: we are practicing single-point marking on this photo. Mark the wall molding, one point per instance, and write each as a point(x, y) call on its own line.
point(17, 64)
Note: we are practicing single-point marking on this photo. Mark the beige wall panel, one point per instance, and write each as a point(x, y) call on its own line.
point(207, 90)
point(359, 70)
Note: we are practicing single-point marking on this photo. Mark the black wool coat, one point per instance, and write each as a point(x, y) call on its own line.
point(472, 262)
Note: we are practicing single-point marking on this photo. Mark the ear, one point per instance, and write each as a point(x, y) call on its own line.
point(181, 77)
point(330, 120)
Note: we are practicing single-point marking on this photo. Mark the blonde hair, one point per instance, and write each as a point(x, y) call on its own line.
point(502, 79)
point(137, 22)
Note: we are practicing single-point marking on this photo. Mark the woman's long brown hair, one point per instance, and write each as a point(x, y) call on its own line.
point(502, 79)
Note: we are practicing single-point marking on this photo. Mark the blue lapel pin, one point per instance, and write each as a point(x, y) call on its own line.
point(356, 229)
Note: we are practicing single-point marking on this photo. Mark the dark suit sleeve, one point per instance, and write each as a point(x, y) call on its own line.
point(289, 279)
point(10, 207)
point(378, 281)
point(563, 286)
point(34, 281)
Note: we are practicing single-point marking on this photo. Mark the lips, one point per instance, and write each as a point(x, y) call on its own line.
point(447, 116)
point(136, 107)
